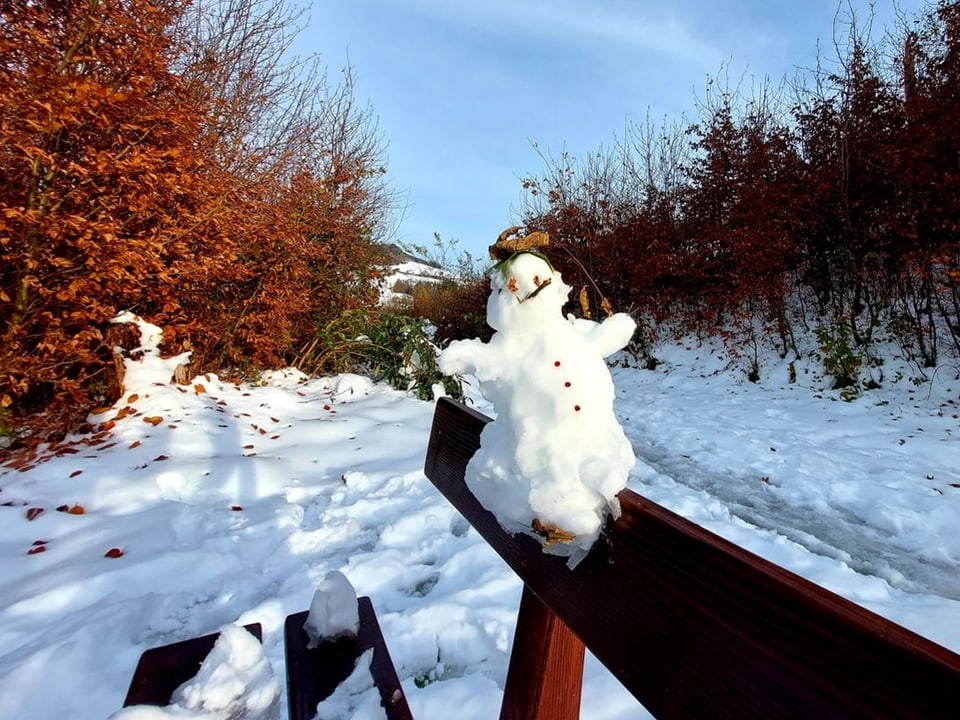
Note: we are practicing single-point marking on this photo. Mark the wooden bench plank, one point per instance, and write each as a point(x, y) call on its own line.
point(313, 674)
point(161, 670)
point(696, 627)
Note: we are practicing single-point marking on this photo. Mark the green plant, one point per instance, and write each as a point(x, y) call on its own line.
point(841, 357)
point(387, 347)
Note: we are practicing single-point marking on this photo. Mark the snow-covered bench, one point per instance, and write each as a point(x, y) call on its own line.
point(692, 625)
point(312, 673)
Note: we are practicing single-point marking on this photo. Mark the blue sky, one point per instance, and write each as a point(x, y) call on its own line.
point(462, 90)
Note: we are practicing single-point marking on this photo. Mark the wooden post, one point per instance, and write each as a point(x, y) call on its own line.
point(545, 676)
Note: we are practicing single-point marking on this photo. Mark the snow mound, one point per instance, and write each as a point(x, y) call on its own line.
point(235, 682)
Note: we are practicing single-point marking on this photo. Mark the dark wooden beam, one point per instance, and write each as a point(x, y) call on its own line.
point(696, 627)
point(545, 678)
point(314, 673)
point(161, 670)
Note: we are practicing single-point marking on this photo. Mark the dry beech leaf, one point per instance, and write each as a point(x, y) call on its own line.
point(273, 419)
point(153, 420)
point(160, 458)
point(134, 444)
point(248, 447)
point(75, 473)
point(37, 549)
point(34, 512)
point(76, 510)
point(236, 508)
point(199, 389)
point(113, 553)
point(133, 398)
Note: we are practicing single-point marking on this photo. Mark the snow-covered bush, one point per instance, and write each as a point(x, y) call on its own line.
point(386, 346)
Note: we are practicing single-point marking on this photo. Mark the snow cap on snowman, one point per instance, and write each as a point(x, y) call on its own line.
point(554, 458)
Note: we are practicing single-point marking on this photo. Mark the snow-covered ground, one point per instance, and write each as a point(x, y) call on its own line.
point(217, 503)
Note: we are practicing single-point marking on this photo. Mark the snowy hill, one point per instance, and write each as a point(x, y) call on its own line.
point(405, 271)
point(195, 506)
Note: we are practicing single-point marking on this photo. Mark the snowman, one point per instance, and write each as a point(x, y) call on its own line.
point(555, 457)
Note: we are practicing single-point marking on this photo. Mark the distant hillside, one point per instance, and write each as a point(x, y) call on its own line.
point(393, 254)
point(404, 272)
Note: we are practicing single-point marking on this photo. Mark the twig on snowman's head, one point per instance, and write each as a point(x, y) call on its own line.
point(533, 293)
point(604, 303)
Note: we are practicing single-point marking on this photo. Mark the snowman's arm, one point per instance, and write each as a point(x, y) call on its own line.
point(464, 357)
point(610, 335)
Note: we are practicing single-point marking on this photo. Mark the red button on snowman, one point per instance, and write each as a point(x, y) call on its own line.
point(555, 457)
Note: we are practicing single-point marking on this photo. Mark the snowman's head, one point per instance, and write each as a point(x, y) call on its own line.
point(524, 290)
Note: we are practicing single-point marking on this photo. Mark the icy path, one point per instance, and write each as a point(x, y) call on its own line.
point(862, 498)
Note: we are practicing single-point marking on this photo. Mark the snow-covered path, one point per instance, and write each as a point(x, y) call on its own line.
point(239, 499)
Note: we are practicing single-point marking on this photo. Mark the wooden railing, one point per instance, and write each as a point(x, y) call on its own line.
point(692, 625)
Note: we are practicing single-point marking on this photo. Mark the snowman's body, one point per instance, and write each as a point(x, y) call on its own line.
point(555, 453)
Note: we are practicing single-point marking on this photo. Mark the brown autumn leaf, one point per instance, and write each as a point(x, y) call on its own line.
point(153, 420)
point(134, 444)
point(113, 553)
point(75, 473)
point(236, 508)
point(133, 398)
point(551, 533)
point(585, 302)
point(76, 510)
point(37, 549)
point(160, 458)
point(34, 512)
point(199, 389)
